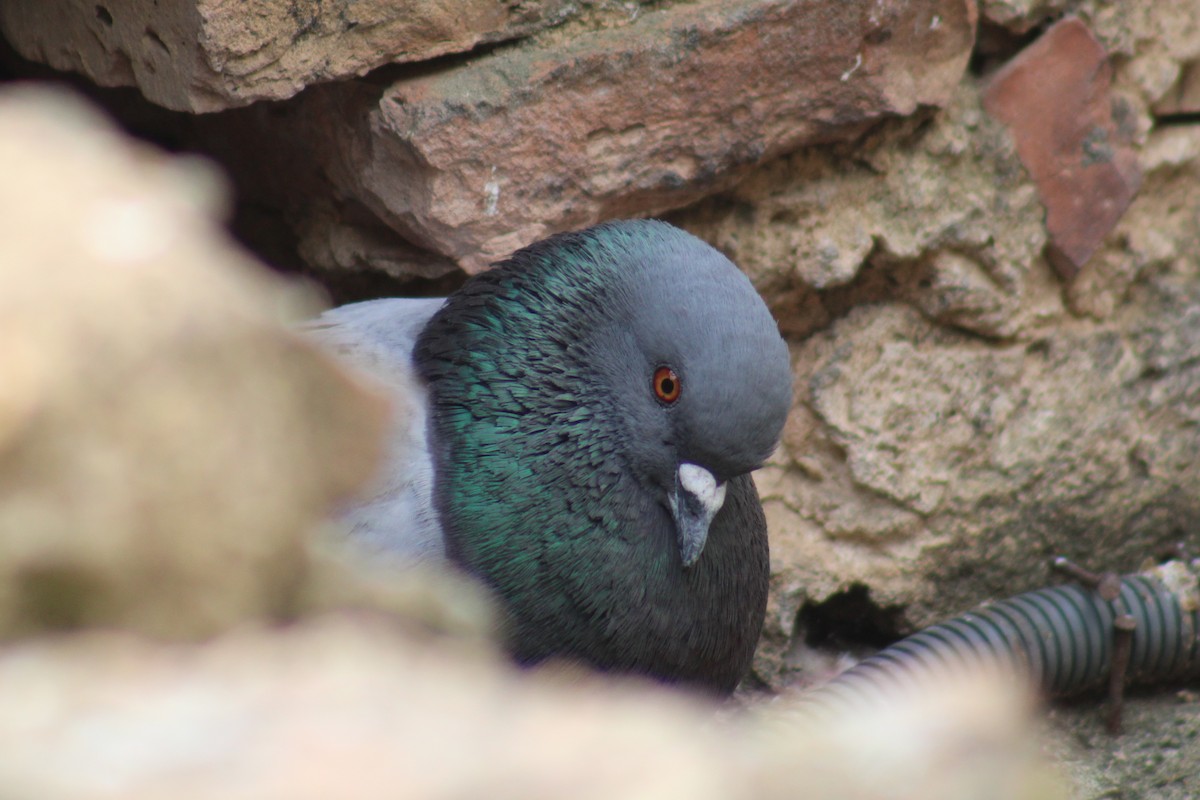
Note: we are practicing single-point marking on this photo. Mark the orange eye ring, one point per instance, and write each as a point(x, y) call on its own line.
point(666, 385)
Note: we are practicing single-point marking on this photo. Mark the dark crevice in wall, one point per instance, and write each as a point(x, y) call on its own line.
point(257, 223)
point(849, 621)
point(803, 310)
point(1175, 120)
point(996, 44)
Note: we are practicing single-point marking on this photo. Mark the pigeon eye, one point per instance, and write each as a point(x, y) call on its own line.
point(666, 385)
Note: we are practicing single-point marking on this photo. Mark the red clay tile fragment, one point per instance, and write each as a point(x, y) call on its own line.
point(1054, 97)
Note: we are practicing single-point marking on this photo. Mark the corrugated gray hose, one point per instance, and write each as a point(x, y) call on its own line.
point(1067, 638)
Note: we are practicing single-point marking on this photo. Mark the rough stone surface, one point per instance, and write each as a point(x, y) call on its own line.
point(1158, 232)
point(159, 462)
point(940, 470)
point(209, 55)
point(1020, 15)
point(936, 210)
point(337, 709)
point(1184, 96)
point(1054, 96)
point(281, 160)
point(517, 144)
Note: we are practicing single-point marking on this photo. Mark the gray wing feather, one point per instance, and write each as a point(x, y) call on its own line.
point(396, 516)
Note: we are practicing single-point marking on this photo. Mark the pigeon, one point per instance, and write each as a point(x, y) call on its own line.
point(578, 426)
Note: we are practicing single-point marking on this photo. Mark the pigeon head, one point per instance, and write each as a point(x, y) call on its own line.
point(597, 402)
point(699, 365)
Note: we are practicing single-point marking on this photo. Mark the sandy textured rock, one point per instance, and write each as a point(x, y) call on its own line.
point(166, 442)
point(346, 710)
point(508, 147)
point(1159, 231)
point(938, 211)
point(209, 55)
point(940, 470)
point(1184, 96)
point(1020, 15)
point(1054, 97)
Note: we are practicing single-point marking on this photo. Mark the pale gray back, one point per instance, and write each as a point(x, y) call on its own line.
point(396, 516)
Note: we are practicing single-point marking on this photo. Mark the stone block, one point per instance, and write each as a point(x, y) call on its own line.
point(209, 55)
point(475, 160)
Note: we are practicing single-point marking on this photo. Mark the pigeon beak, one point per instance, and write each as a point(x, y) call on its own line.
point(696, 500)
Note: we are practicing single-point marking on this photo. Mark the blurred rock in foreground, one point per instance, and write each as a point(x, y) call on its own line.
point(209, 55)
point(166, 444)
point(341, 709)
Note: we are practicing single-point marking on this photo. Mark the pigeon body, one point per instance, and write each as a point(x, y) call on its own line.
point(585, 417)
point(397, 518)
